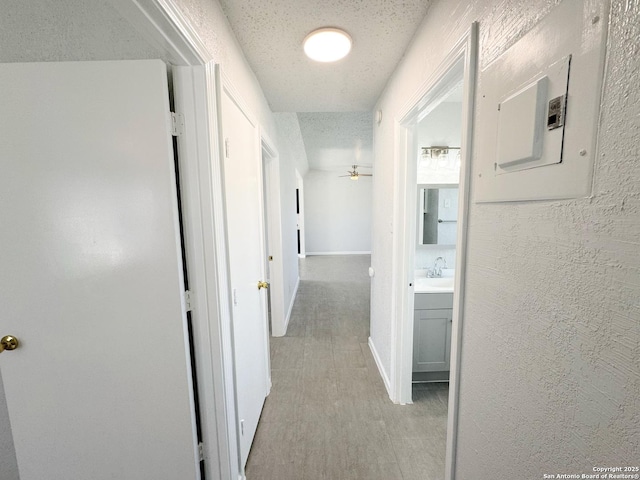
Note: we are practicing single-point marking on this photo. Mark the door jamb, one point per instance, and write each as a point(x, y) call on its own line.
point(464, 51)
point(206, 254)
point(271, 172)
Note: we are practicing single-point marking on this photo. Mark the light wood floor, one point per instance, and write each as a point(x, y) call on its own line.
point(328, 415)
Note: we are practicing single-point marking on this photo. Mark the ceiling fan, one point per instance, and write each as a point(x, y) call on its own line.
point(354, 175)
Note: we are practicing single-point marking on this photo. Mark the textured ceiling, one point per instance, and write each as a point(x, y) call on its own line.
point(271, 32)
point(336, 141)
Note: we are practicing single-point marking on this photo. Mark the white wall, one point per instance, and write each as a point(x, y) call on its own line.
point(550, 376)
point(442, 126)
point(290, 137)
point(337, 210)
point(292, 157)
point(337, 213)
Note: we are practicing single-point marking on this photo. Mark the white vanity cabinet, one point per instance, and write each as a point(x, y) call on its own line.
point(432, 333)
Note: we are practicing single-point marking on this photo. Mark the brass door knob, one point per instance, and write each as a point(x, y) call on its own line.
point(8, 342)
point(262, 285)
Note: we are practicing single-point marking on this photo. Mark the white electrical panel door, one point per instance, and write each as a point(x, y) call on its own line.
point(520, 126)
point(529, 132)
point(538, 109)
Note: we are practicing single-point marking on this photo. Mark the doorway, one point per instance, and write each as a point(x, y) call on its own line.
point(274, 251)
point(302, 249)
point(245, 238)
point(458, 68)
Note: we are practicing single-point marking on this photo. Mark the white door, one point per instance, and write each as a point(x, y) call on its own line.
point(242, 183)
point(91, 280)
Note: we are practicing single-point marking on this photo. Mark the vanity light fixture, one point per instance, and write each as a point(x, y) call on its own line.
point(435, 152)
point(327, 44)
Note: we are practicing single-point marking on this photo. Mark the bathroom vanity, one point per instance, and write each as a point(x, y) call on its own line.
point(433, 314)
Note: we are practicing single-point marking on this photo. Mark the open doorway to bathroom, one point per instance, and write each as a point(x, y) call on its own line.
point(433, 150)
point(439, 136)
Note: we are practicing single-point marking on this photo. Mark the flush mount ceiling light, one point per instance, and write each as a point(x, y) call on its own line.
point(327, 44)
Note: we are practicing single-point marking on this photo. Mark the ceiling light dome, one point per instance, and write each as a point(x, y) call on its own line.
point(327, 44)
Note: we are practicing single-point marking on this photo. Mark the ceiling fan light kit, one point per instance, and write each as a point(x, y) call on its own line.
point(354, 174)
point(327, 44)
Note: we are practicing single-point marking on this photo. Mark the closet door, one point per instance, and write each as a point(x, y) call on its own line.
point(91, 280)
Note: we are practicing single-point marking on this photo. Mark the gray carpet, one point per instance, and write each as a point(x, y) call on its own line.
point(328, 415)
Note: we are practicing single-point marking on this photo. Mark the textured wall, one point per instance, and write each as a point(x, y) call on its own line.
point(291, 142)
point(550, 379)
point(208, 19)
point(67, 30)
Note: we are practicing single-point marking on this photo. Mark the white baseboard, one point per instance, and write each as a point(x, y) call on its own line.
point(290, 309)
point(383, 374)
point(339, 253)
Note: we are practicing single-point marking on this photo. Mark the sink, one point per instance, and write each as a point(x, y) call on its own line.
point(433, 285)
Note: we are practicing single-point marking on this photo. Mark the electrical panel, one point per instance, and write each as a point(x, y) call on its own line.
point(538, 109)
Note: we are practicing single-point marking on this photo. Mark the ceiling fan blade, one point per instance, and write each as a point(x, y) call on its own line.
point(365, 175)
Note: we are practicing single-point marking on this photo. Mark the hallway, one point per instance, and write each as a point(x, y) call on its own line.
point(328, 415)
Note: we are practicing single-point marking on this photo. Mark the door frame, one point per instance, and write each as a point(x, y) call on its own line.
point(196, 88)
point(300, 216)
point(463, 55)
point(205, 244)
point(273, 232)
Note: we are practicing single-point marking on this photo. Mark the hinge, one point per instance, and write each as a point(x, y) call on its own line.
point(201, 451)
point(177, 124)
point(187, 300)
point(226, 148)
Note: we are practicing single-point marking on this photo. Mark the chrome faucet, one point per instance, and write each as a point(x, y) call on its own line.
point(437, 268)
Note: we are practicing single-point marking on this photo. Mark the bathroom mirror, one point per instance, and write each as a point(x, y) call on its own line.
point(437, 214)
